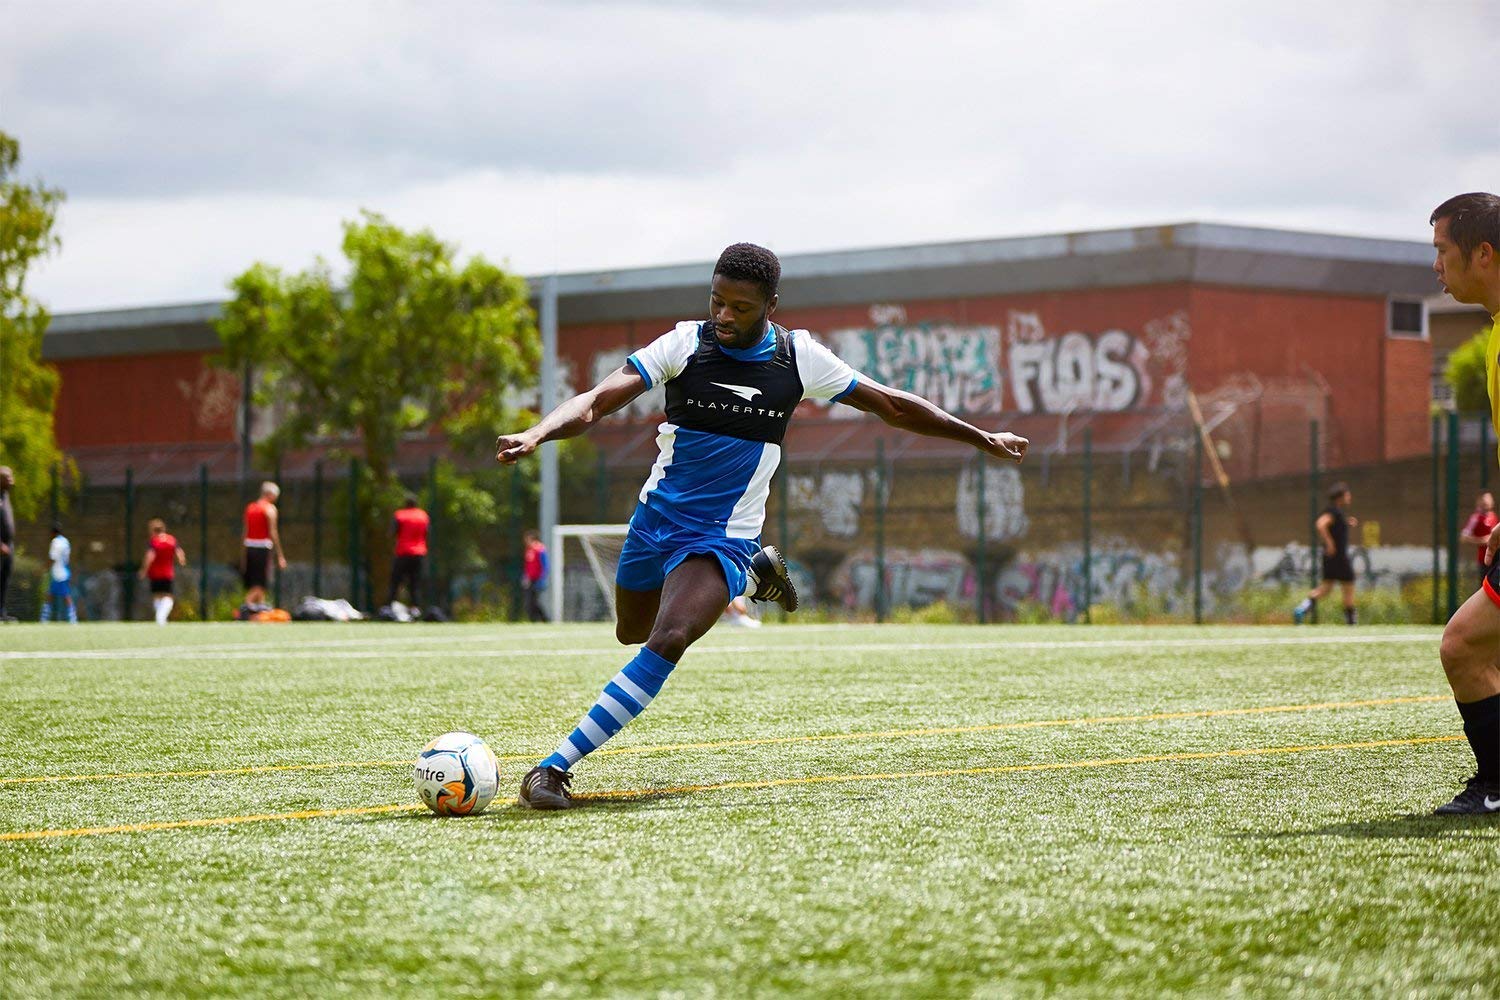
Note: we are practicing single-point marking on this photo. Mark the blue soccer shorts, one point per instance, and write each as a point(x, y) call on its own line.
point(656, 545)
point(59, 588)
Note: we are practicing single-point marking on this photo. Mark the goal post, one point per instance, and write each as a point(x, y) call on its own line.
point(598, 546)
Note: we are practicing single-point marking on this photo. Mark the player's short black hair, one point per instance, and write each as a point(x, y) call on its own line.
point(410, 501)
point(748, 262)
point(1473, 218)
point(1337, 490)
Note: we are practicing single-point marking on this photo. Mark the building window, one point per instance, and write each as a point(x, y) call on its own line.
point(1406, 318)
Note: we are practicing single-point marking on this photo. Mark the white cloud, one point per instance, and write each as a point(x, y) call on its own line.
point(193, 139)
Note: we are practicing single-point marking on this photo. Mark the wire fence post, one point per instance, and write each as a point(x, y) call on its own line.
point(515, 544)
point(203, 542)
point(1197, 529)
point(1437, 579)
point(1088, 525)
point(276, 586)
point(1454, 455)
point(432, 531)
point(880, 481)
point(128, 612)
point(981, 571)
point(354, 531)
point(317, 574)
point(1314, 563)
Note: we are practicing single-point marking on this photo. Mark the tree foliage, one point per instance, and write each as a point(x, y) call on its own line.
point(28, 387)
point(1465, 374)
point(414, 343)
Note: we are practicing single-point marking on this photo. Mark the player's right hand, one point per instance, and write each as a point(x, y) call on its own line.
point(1011, 446)
point(511, 448)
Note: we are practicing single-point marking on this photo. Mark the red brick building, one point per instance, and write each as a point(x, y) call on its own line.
point(1112, 329)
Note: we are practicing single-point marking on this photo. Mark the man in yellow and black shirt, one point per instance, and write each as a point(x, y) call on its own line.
point(1466, 235)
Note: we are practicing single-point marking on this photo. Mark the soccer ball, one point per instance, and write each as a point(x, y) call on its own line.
point(457, 775)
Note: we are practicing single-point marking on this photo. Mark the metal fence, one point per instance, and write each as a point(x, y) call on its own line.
point(1090, 528)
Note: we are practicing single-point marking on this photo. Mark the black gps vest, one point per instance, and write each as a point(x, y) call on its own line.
point(751, 400)
point(1338, 527)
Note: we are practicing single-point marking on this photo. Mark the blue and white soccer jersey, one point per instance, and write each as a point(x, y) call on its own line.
point(727, 412)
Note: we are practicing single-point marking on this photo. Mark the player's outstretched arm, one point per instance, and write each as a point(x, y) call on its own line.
point(913, 413)
point(575, 416)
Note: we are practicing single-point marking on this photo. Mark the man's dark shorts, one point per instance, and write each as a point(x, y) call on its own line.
point(1338, 568)
point(257, 567)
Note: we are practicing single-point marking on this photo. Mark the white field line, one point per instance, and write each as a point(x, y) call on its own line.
point(389, 650)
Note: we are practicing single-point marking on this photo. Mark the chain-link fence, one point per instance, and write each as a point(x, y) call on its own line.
point(1101, 525)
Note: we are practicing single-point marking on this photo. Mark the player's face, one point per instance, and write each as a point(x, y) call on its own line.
point(739, 311)
point(1486, 501)
point(1452, 267)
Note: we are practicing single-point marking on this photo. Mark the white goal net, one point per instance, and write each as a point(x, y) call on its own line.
point(584, 557)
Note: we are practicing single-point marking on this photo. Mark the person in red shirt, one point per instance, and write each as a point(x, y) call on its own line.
point(534, 576)
point(1481, 523)
point(163, 556)
point(262, 540)
point(411, 524)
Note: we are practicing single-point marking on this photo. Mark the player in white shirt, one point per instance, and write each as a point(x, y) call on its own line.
point(60, 577)
point(732, 384)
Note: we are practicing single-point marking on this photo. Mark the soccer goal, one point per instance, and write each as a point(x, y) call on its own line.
point(584, 557)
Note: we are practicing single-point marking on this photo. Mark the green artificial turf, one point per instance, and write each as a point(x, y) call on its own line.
point(1304, 872)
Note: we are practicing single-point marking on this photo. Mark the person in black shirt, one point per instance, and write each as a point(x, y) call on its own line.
point(1333, 528)
point(7, 536)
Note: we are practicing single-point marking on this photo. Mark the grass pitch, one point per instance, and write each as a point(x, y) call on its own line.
point(897, 811)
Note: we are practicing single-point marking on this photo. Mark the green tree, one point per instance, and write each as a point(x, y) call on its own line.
point(413, 343)
point(1465, 373)
point(28, 387)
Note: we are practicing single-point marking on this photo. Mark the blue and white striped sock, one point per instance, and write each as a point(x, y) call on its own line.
point(624, 697)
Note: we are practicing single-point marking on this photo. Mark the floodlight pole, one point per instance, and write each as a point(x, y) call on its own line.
point(547, 515)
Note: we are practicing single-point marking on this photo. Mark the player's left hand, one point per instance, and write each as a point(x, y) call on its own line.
point(1353, 522)
point(1011, 446)
point(280, 561)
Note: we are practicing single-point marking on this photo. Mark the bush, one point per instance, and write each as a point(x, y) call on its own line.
point(1106, 613)
point(1380, 606)
point(936, 613)
point(1417, 596)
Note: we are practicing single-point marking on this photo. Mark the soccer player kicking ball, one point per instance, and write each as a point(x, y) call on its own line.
point(694, 541)
point(1466, 235)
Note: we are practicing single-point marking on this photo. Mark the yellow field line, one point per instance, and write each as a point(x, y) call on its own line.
point(1208, 713)
point(89, 831)
point(214, 772)
point(635, 793)
point(638, 793)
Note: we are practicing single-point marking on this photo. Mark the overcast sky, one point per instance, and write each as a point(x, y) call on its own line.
point(195, 138)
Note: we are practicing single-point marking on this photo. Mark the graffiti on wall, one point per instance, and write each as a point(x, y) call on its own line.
point(834, 497)
point(972, 368)
point(956, 367)
point(1077, 371)
point(916, 577)
point(1004, 503)
point(1389, 566)
point(1122, 575)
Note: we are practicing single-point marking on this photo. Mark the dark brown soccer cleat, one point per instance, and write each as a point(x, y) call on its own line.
point(546, 788)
